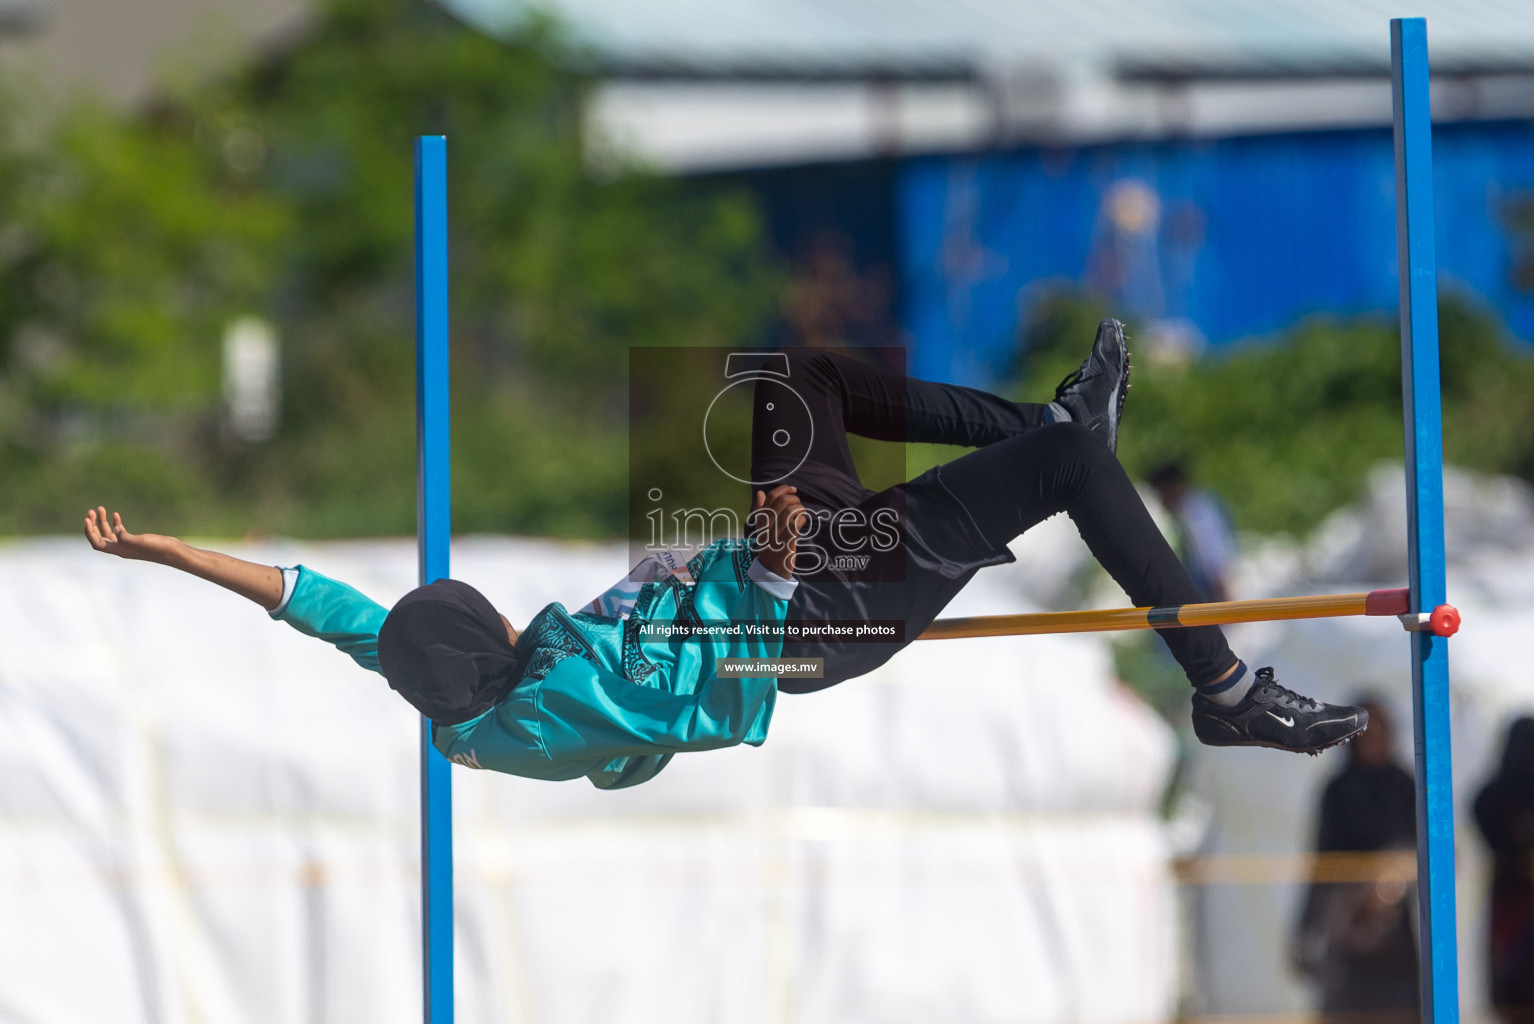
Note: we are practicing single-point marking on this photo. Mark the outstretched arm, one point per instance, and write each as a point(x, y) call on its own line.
point(261, 583)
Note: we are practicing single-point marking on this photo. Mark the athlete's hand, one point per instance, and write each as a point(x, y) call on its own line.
point(776, 520)
point(113, 538)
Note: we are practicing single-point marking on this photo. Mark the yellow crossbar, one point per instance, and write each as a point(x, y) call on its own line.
point(1221, 613)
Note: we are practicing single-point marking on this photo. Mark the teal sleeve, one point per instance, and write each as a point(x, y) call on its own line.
point(586, 713)
point(720, 596)
point(334, 612)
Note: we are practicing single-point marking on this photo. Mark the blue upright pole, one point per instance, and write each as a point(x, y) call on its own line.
point(1424, 510)
point(433, 530)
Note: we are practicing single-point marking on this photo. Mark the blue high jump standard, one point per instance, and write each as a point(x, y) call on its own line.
point(433, 531)
point(1424, 504)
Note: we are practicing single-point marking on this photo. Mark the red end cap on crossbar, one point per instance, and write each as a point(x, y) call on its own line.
point(1444, 621)
point(1393, 602)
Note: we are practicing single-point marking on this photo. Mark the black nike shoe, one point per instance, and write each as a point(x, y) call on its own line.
point(1274, 716)
point(1094, 395)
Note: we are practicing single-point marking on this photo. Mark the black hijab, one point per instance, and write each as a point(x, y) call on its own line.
point(444, 648)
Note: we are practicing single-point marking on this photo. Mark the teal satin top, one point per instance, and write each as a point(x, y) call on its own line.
point(599, 697)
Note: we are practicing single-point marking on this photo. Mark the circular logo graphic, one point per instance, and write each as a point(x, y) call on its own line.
point(789, 442)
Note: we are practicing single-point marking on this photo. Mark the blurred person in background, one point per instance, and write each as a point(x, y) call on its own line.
point(1504, 811)
point(1207, 542)
point(1355, 941)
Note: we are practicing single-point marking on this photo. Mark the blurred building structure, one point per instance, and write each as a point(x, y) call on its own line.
point(750, 82)
point(121, 48)
point(934, 171)
point(1171, 158)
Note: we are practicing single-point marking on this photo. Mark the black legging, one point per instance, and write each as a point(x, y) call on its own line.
point(954, 519)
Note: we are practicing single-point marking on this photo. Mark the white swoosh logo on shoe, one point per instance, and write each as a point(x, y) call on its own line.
point(1287, 722)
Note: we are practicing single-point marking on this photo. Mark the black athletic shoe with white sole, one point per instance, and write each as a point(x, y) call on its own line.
point(1275, 716)
point(1094, 395)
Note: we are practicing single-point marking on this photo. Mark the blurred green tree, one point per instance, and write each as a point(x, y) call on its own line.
point(284, 189)
point(1286, 429)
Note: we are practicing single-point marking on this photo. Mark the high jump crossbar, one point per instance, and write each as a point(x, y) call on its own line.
point(1441, 621)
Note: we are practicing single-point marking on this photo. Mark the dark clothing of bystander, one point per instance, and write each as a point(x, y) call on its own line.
point(1356, 937)
point(1504, 810)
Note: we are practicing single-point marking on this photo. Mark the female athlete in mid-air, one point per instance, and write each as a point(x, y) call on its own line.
point(605, 692)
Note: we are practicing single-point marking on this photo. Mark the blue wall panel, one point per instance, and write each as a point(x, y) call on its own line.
point(1238, 237)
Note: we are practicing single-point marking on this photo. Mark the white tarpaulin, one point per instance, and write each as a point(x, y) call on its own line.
point(207, 817)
